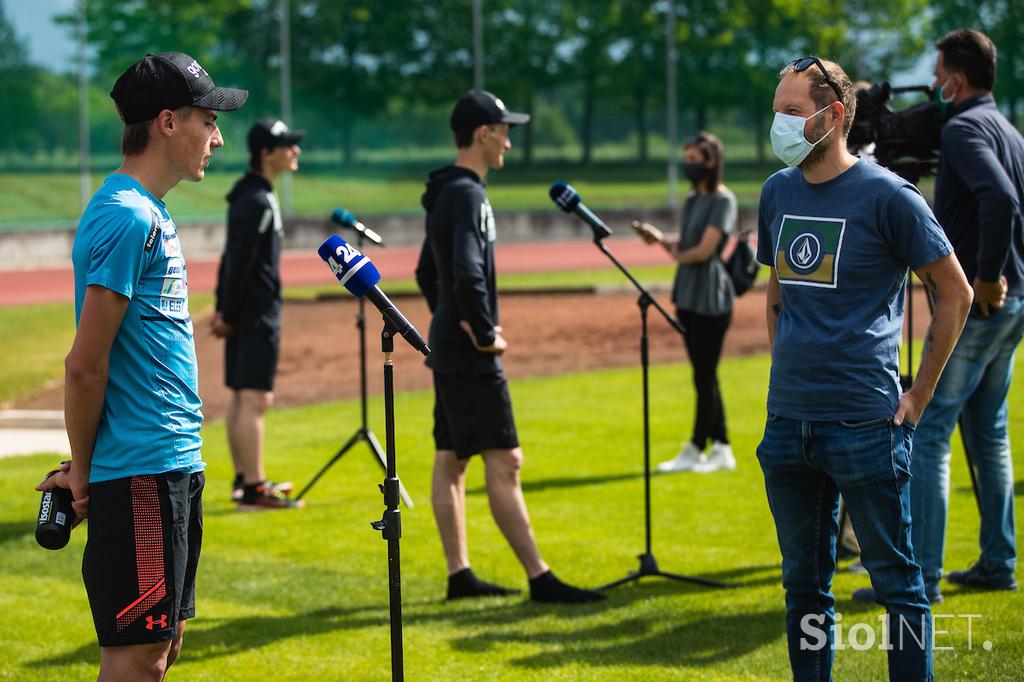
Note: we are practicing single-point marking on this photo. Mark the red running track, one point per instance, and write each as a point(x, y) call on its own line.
point(301, 268)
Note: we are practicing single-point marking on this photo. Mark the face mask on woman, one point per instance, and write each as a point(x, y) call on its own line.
point(695, 171)
point(788, 141)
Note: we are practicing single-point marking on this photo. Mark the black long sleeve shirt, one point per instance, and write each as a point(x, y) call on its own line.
point(249, 277)
point(979, 192)
point(456, 271)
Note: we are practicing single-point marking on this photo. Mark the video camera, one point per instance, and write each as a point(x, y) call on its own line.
point(906, 141)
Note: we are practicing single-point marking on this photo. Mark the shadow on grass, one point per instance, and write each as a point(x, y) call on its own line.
point(15, 530)
point(563, 482)
point(211, 638)
point(1018, 488)
point(707, 639)
point(735, 578)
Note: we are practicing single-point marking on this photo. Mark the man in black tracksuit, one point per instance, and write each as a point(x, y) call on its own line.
point(248, 313)
point(473, 410)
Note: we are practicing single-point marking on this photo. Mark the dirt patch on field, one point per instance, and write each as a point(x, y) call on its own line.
point(547, 333)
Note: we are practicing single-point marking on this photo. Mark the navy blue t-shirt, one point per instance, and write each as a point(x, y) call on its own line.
point(841, 250)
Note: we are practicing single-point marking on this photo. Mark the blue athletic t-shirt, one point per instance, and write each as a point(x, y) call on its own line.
point(127, 242)
point(841, 250)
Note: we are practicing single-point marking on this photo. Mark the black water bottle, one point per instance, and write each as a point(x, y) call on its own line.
point(53, 529)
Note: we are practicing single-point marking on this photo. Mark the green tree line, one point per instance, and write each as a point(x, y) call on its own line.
point(377, 74)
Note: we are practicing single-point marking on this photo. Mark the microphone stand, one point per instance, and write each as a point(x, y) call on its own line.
point(390, 524)
point(364, 432)
point(648, 564)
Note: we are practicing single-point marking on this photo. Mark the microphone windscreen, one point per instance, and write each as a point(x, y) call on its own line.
point(565, 196)
point(352, 268)
point(343, 217)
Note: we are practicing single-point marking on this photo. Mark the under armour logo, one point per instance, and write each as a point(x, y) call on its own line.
point(195, 69)
point(151, 623)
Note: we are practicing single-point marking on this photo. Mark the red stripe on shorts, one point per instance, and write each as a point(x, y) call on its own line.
point(149, 549)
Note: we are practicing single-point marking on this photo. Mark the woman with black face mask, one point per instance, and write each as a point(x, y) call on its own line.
point(703, 295)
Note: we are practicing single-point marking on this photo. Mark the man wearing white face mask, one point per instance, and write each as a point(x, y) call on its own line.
point(838, 234)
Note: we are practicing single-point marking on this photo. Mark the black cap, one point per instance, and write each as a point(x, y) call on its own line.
point(479, 108)
point(170, 80)
point(268, 133)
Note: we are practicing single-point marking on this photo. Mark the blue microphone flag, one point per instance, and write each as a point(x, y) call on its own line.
point(354, 270)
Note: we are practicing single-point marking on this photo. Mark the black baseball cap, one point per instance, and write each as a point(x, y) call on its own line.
point(170, 80)
point(268, 133)
point(479, 108)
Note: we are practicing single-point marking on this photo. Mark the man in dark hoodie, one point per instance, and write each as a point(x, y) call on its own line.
point(248, 312)
point(472, 408)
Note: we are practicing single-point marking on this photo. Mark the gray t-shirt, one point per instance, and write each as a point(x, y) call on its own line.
point(705, 288)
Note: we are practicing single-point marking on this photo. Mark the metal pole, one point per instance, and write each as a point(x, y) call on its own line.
point(85, 183)
point(672, 112)
point(286, 95)
point(478, 44)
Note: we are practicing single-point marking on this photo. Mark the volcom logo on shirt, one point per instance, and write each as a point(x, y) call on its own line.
point(808, 251)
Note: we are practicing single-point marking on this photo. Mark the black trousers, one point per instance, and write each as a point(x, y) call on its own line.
point(704, 337)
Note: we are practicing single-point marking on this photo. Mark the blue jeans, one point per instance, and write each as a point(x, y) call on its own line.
point(973, 386)
point(806, 466)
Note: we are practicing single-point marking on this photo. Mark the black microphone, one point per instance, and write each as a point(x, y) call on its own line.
point(355, 271)
point(568, 199)
point(348, 219)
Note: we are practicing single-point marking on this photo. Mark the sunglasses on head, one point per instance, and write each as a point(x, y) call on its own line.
point(805, 63)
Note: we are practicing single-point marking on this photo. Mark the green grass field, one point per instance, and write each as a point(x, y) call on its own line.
point(303, 595)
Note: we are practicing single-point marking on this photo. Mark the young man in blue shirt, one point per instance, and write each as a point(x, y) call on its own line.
point(979, 201)
point(131, 404)
point(838, 234)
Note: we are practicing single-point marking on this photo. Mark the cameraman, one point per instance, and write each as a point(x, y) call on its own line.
point(978, 196)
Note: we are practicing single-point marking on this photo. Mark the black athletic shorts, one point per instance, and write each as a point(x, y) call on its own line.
point(250, 359)
point(145, 534)
point(473, 412)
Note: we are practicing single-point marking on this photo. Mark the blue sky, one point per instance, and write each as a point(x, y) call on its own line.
point(48, 44)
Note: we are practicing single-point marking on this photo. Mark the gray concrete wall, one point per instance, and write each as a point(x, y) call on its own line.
point(204, 240)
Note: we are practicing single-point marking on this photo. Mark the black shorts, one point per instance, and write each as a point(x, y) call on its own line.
point(145, 534)
point(250, 359)
point(473, 412)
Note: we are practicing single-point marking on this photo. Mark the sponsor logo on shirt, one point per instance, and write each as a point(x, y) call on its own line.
point(172, 247)
point(487, 221)
point(173, 306)
point(809, 250)
point(271, 216)
point(174, 286)
point(154, 230)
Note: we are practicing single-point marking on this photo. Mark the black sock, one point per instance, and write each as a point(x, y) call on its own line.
point(251, 491)
point(546, 587)
point(465, 584)
point(239, 480)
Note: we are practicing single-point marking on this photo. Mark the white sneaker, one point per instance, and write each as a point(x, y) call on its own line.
point(719, 458)
point(686, 460)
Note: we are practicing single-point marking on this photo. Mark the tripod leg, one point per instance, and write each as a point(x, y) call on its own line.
point(371, 438)
point(344, 448)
